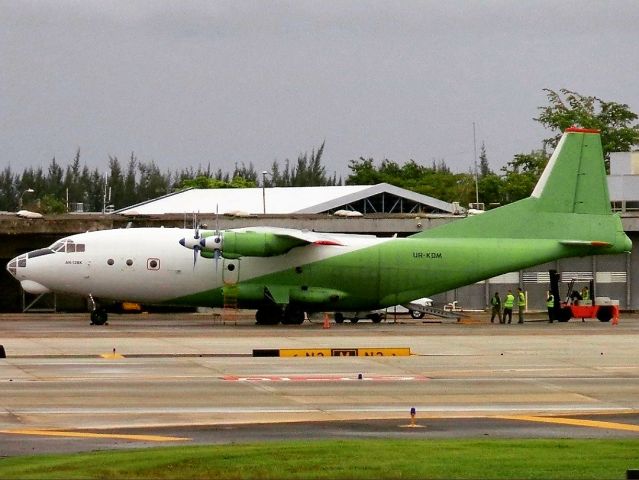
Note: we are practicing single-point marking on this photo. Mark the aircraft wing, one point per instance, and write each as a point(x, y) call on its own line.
point(305, 236)
point(257, 241)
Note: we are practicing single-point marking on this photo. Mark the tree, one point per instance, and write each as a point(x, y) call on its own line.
point(522, 173)
point(484, 168)
point(614, 120)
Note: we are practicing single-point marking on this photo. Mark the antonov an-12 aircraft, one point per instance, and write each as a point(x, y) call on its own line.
point(283, 273)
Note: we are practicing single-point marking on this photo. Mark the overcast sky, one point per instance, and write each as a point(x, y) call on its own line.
point(188, 83)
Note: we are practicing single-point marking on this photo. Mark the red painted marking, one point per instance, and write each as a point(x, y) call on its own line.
point(582, 130)
point(326, 242)
point(599, 244)
point(324, 378)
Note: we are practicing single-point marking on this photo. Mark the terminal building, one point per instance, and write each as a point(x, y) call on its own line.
point(381, 209)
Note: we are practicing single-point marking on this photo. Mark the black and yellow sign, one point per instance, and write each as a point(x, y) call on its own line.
point(334, 352)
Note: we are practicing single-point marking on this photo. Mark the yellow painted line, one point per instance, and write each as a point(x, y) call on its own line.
point(575, 421)
point(119, 436)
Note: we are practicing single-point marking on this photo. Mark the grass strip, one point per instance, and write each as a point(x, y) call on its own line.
point(352, 459)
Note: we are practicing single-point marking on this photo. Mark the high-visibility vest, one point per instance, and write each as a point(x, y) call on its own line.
point(522, 299)
point(585, 295)
point(510, 301)
point(550, 301)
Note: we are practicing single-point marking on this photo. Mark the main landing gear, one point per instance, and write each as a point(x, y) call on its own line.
point(273, 314)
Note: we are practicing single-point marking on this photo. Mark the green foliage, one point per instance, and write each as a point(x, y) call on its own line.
point(139, 182)
point(614, 120)
point(202, 181)
point(50, 204)
point(522, 173)
point(436, 181)
point(356, 459)
point(307, 172)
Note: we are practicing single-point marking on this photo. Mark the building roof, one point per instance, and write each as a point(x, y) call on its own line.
point(380, 198)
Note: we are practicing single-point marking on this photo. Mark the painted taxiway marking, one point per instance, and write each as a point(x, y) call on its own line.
point(325, 378)
point(119, 436)
point(574, 421)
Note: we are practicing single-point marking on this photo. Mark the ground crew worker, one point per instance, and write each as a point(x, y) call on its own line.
point(521, 303)
point(550, 305)
point(509, 301)
point(585, 294)
point(495, 303)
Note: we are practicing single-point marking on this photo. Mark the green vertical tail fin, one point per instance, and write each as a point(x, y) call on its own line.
point(570, 203)
point(574, 180)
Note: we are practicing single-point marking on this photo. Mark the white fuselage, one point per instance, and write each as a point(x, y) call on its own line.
point(148, 265)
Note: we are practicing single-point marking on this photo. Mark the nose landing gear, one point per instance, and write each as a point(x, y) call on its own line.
point(99, 316)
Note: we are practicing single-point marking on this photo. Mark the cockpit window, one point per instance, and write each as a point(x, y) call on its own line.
point(68, 246)
point(58, 247)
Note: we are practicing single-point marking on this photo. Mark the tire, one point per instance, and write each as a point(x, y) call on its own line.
point(604, 314)
point(268, 316)
point(565, 314)
point(99, 317)
point(415, 314)
point(376, 318)
point(354, 320)
point(293, 316)
point(339, 317)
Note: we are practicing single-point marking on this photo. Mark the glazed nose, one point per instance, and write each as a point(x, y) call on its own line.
point(15, 264)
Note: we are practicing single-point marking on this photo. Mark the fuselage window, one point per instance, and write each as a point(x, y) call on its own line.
point(153, 264)
point(110, 261)
point(79, 247)
point(70, 247)
point(129, 262)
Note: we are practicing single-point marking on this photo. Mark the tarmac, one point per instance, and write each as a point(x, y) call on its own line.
point(164, 379)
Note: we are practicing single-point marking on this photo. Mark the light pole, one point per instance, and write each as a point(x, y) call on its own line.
point(28, 190)
point(264, 174)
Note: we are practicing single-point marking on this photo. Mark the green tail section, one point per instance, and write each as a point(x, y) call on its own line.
point(575, 179)
point(570, 203)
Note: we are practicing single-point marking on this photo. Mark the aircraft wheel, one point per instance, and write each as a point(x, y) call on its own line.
point(339, 317)
point(565, 314)
point(416, 315)
point(99, 316)
point(293, 316)
point(604, 314)
point(268, 316)
point(354, 320)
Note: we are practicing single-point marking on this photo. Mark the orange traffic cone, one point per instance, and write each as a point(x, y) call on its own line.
point(327, 323)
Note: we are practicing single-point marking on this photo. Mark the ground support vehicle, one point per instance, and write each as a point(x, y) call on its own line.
point(602, 308)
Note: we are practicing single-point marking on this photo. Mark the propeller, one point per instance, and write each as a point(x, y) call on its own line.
point(193, 243)
point(216, 254)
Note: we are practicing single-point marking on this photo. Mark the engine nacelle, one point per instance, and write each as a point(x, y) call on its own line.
point(249, 244)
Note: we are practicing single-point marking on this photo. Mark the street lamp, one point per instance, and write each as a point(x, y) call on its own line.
point(264, 174)
point(28, 190)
